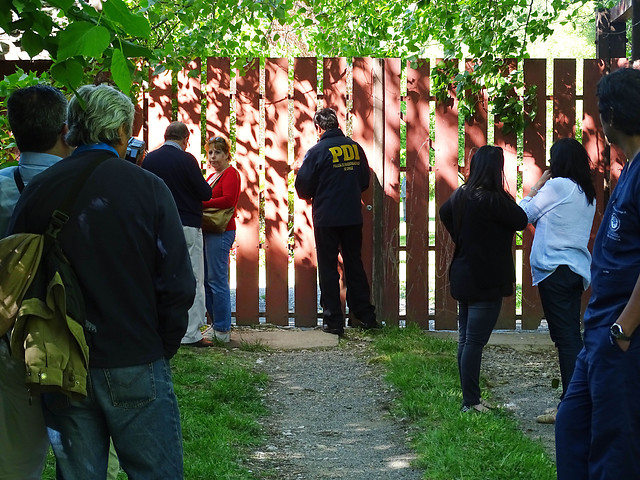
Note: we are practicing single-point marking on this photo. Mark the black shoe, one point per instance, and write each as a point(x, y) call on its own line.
point(202, 343)
point(370, 325)
point(333, 330)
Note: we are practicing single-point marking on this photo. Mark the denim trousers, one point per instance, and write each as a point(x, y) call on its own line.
point(217, 291)
point(346, 240)
point(476, 321)
point(561, 294)
point(134, 406)
point(598, 420)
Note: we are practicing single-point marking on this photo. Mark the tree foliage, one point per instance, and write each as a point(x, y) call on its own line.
point(84, 39)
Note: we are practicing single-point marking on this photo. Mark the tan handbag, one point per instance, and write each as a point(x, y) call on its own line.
point(215, 220)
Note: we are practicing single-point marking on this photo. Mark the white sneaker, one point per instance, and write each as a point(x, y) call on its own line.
point(222, 336)
point(207, 332)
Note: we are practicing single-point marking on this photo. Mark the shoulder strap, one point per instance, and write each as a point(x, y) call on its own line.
point(18, 178)
point(61, 214)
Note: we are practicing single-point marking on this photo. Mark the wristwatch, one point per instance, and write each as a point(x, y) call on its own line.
point(617, 333)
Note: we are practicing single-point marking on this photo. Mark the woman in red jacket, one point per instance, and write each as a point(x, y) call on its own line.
point(225, 183)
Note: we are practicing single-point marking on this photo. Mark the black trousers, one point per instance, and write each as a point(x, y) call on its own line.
point(346, 240)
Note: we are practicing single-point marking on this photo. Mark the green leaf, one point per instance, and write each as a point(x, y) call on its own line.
point(120, 71)
point(69, 73)
point(135, 25)
point(82, 38)
point(32, 43)
point(63, 5)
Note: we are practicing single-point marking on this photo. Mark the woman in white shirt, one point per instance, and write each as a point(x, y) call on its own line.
point(561, 206)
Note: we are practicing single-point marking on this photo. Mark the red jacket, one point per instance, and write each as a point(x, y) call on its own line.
point(225, 193)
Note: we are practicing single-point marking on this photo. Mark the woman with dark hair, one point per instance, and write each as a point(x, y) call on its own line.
point(482, 218)
point(561, 206)
point(225, 191)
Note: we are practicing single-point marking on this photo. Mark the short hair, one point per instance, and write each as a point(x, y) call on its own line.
point(326, 119)
point(619, 100)
point(176, 131)
point(37, 115)
point(221, 142)
point(96, 114)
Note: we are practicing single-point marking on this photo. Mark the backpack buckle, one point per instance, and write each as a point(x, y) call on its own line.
point(58, 219)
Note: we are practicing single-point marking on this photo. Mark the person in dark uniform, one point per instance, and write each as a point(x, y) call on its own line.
point(333, 176)
point(598, 421)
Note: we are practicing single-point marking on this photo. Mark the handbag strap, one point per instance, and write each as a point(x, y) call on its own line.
point(18, 179)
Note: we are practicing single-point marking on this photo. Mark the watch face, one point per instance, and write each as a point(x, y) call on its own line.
point(616, 330)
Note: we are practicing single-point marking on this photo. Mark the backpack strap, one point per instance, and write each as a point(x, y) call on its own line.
point(61, 214)
point(18, 178)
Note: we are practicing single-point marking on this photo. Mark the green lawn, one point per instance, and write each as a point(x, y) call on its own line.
point(221, 403)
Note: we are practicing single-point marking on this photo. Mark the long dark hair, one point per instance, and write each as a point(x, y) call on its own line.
point(486, 172)
point(569, 159)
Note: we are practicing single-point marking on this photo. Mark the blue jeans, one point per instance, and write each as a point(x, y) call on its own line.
point(560, 294)
point(475, 324)
point(598, 420)
point(136, 407)
point(216, 285)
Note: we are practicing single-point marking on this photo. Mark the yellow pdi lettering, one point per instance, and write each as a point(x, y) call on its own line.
point(336, 152)
point(347, 150)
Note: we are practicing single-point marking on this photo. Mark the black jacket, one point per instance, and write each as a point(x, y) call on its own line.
point(180, 171)
point(333, 175)
point(482, 228)
point(126, 244)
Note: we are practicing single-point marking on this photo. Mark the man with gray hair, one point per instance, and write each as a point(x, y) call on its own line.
point(181, 172)
point(126, 244)
point(37, 117)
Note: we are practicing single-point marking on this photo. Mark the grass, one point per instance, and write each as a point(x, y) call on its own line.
point(221, 403)
point(452, 445)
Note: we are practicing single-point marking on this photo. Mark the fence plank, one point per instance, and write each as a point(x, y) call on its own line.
point(446, 165)
point(218, 94)
point(190, 105)
point(248, 226)
point(391, 187)
point(564, 98)
point(159, 112)
point(417, 194)
point(363, 133)
point(593, 136)
point(276, 190)
point(305, 101)
point(509, 144)
point(533, 165)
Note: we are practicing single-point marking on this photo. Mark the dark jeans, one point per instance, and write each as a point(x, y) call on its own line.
point(136, 407)
point(475, 324)
point(346, 240)
point(560, 294)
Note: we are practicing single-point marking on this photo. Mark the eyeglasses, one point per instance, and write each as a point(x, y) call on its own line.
point(217, 139)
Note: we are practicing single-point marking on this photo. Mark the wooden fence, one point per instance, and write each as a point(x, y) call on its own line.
point(269, 108)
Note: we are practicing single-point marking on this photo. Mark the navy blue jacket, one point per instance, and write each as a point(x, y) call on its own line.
point(180, 171)
point(333, 175)
point(127, 247)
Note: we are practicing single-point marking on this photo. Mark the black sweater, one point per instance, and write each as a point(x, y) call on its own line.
point(126, 244)
point(482, 228)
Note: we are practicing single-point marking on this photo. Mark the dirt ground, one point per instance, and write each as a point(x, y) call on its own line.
point(330, 410)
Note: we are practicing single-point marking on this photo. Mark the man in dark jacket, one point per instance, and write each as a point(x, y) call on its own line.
point(333, 176)
point(181, 172)
point(126, 245)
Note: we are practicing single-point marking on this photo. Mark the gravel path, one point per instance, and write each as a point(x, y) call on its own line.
point(330, 411)
point(331, 420)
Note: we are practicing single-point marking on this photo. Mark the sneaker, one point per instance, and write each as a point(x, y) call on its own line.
point(224, 337)
point(207, 332)
point(480, 408)
point(548, 417)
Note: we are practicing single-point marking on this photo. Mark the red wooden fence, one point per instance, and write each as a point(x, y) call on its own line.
point(271, 122)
